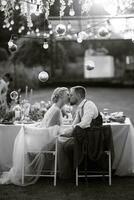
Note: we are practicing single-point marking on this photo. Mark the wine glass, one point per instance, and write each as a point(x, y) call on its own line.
point(106, 115)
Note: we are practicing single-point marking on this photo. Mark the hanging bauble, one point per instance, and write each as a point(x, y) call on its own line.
point(103, 32)
point(60, 29)
point(90, 65)
point(43, 76)
point(14, 95)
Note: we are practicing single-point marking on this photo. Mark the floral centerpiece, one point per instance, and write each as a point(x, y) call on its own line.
point(38, 110)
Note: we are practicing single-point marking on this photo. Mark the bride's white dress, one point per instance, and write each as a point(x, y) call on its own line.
point(33, 138)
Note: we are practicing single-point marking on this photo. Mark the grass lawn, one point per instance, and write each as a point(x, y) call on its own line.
point(96, 189)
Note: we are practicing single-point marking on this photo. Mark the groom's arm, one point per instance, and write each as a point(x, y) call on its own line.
point(68, 132)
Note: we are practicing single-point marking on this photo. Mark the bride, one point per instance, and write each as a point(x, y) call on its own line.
point(36, 138)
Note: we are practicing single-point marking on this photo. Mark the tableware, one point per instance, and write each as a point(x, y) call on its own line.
point(106, 115)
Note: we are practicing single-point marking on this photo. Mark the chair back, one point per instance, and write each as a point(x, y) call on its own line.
point(92, 142)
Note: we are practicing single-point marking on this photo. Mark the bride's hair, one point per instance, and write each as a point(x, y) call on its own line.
point(58, 93)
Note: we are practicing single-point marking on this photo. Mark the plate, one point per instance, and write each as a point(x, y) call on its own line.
point(7, 123)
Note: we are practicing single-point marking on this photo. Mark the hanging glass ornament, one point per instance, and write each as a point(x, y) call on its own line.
point(90, 65)
point(60, 29)
point(14, 95)
point(43, 76)
point(103, 32)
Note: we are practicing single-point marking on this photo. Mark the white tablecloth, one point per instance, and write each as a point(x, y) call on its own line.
point(7, 136)
point(123, 139)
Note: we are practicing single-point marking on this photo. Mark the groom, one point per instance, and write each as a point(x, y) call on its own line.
point(86, 112)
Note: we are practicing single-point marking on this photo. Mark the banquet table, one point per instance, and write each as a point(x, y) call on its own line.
point(123, 139)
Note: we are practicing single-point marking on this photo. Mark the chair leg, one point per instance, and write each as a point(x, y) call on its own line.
point(76, 176)
point(23, 164)
point(110, 169)
point(55, 166)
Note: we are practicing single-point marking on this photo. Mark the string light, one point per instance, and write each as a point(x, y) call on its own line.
point(29, 7)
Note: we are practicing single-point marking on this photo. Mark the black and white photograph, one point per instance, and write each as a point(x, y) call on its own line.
point(66, 99)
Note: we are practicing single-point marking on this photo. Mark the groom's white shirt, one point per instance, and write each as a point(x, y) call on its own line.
point(86, 111)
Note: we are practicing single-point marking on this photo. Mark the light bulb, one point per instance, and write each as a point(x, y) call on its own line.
point(88, 26)
point(17, 7)
point(69, 26)
point(7, 25)
point(50, 26)
point(69, 37)
point(30, 24)
point(12, 22)
point(48, 35)
point(50, 32)
point(45, 35)
point(22, 28)
point(4, 3)
point(75, 35)
point(45, 45)
point(10, 29)
point(28, 32)
point(38, 34)
point(37, 30)
point(71, 12)
point(79, 39)
point(19, 31)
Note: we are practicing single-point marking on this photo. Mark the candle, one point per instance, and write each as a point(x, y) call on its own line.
point(31, 94)
point(26, 92)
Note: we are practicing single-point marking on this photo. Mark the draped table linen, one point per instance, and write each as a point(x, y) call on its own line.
point(123, 140)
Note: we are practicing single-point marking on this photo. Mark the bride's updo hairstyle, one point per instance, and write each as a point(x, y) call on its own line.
point(58, 93)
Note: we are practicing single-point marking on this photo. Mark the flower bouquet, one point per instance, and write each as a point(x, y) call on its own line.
point(38, 110)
